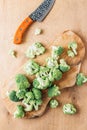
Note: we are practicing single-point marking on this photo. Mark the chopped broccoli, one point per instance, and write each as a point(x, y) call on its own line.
point(57, 51)
point(64, 67)
point(28, 107)
point(31, 67)
point(22, 82)
point(43, 73)
point(13, 97)
point(73, 46)
point(57, 74)
point(21, 93)
point(37, 104)
point(19, 113)
point(41, 83)
point(53, 91)
point(52, 62)
point(70, 53)
point(30, 95)
point(38, 31)
point(37, 93)
point(69, 109)
point(81, 79)
point(13, 53)
point(54, 103)
point(35, 50)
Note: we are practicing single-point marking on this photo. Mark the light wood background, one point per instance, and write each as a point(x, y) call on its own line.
point(65, 15)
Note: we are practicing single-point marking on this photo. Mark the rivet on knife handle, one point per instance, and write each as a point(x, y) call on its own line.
point(21, 29)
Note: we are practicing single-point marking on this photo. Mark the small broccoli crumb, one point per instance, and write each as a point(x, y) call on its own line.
point(22, 81)
point(64, 67)
point(35, 50)
point(31, 67)
point(51, 62)
point(70, 53)
point(53, 91)
point(13, 53)
point(73, 47)
point(54, 103)
point(81, 79)
point(69, 109)
point(57, 51)
point(13, 97)
point(38, 31)
point(19, 113)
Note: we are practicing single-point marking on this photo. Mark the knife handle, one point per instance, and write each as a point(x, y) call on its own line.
point(21, 29)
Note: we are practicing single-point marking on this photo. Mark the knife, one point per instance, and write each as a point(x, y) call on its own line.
point(38, 15)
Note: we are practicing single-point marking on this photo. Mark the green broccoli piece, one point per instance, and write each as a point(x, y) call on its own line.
point(53, 91)
point(30, 95)
point(37, 93)
point(51, 62)
point(22, 82)
point(19, 113)
point(37, 104)
point(73, 46)
point(57, 74)
point(57, 51)
point(70, 53)
point(13, 97)
point(21, 93)
point(35, 50)
point(69, 109)
point(43, 73)
point(31, 67)
point(28, 107)
point(64, 67)
point(54, 103)
point(41, 83)
point(81, 79)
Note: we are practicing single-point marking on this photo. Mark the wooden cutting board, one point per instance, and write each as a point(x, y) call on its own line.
point(66, 15)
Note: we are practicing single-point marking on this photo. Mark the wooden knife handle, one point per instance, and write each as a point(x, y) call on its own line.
point(21, 29)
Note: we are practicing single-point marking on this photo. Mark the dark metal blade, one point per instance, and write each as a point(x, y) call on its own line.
point(41, 12)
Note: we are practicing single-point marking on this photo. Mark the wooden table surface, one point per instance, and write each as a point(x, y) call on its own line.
point(65, 15)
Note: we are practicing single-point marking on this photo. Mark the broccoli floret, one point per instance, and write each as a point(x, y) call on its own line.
point(57, 74)
point(19, 113)
point(73, 46)
point(37, 104)
point(64, 67)
point(54, 103)
point(70, 53)
point(52, 62)
point(21, 93)
point(43, 73)
point(30, 95)
point(28, 107)
point(35, 50)
point(13, 97)
point(69, 109)
point(37, 93)
point(22, 82)
point(81, 79)
point(41, 83)
point(31, 67)
point(53, 91)
point(57, 51)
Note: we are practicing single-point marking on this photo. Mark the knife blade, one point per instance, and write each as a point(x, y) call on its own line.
point(38, 15)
